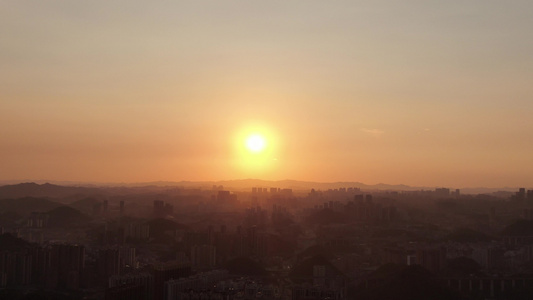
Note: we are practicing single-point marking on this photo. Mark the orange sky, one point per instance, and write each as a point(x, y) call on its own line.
point(434, 93)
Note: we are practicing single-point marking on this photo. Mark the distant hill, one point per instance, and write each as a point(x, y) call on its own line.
point(314, 250)
point(467, 235)
point(63, 189)
point(326, 216)
point(245, 266)
point(159, 226)
point(26, 205)
point(31, 189)
point(519, 228)
point(246, 184)
point(65, 216)
point(9, 219)
point(404, 282)
point(9, 242)
point(304, 270)
point(463, 266)
point(84, 205)
point(40, 294)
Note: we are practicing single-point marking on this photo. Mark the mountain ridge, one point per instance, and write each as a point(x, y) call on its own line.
point(40, 188)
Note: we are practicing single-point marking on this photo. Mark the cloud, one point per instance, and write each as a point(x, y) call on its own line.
point(373, 132)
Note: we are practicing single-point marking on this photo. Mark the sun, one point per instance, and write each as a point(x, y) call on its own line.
point(255, 143)
point(256, 149)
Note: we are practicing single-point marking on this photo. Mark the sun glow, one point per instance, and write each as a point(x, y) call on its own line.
point(256, 151)
point(255, 143)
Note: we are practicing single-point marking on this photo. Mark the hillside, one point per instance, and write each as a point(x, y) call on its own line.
point(65, 216)
point(31, 189)
point(26, 205)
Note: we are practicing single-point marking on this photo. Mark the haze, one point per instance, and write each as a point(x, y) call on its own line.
point(412, 92)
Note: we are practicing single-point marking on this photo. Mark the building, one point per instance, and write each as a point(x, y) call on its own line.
point(137, 231)
point(442, 192)
point(15, 269)
point(131, 286)
point(127, 292)
point(165, 272)
point(108, 263)
point(177, 289)
point(432, 259)
point(38, 220)
point(64, 266)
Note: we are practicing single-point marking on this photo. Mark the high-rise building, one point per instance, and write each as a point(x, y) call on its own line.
point(38, 220)
point(15, 268)
point(131, 286)
point(65, 266)
point(433, 259)
point(159, 209)
point(166, 271)
point(201, 282)
point(108, 263)
point(128, 257)
point(137, 231)
point(126, 292)
point(442, 192)
point(521, 194)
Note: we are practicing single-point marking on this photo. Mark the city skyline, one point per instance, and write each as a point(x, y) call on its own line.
point(397, 92)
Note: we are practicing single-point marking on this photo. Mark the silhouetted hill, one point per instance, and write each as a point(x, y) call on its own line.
point(461, 266)
point(304, 271)
point(26, 205)
point(31, 189)
point(18, 294)
point(326, 216)
point(246, 184)
point(467, 235)
point(159, 226)
point(65, 216)
point(278, 246)
point(398, 282)
point(314, 251)
point(8, 242)
point(391, 232)
point(84, 205)
point(386, 271)
point(245, 266)
point(69, 188)
point(519, 228)
point(9, 219)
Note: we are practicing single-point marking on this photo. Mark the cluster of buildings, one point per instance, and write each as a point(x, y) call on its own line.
point(324, 245)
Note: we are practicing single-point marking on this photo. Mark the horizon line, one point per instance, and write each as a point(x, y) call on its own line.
point(120, 183)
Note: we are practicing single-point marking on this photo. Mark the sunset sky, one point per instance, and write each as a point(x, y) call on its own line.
point(434, 93)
